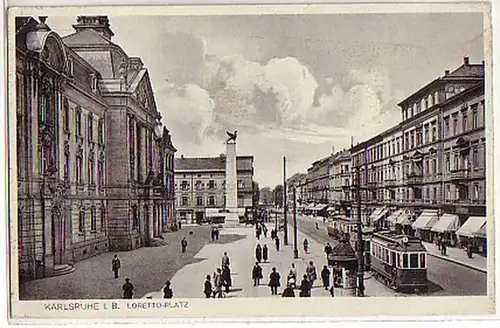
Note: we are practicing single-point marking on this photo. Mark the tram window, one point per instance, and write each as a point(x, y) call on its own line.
point(398, 256)
point(422, 260)
point(393, 258)
point(405, 261)
point(387, 258)
point(413, 260)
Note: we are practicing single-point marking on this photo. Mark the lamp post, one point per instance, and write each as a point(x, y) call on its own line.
point(295, 237)
point(285, 228)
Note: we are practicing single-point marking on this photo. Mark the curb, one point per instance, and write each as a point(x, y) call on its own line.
point(448, 259)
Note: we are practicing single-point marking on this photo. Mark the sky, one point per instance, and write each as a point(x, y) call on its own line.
point(298, 86)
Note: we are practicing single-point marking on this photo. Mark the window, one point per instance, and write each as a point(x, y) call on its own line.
point(71, 66)
point(476, 191)
point(434, 132)
point(447, 163)
point(475, 158)
point(100, 173)
point(66, 165)
point(184, 201)
point(199, 201)
point(93, 219)
point(103, 218)
point(81, 221)
point(66, 113)
point(78, 122)
point(135, 217)
point(413, 260)
point(211, 200)
point(79, 165)
point(428, 193)
point(475, 118)
point(446, 126)
point(427, 167)
point(434, 193)
point(457, 162)
point(455, 124)
point(211, 184)
point(91, 172)
point(199, 185)
point(435, 166)
point(426, 134)
point(94, 82)
point(184, 185)
point(100, 126)
point(448, 192)
point(423, 261)
point(405, 261)
point(397, 145)
point(398, 257)
point(465, 123)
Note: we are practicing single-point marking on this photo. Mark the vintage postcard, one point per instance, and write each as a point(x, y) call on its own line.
point(250, 161)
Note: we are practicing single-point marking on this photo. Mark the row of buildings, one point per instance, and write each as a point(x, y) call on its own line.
point(94, 163)
point(433, 162)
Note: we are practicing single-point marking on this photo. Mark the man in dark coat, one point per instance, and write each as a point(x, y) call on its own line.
point(212, 234)
point(225, 260)
point(184, 244)
point(128, 289)
point(207, 287)
point(277, 242)
point(288, 292)
point(274, 282)
point(167, 291)
point(305, 287)
point(116, 265)
point(265, 253)
point(258, 253)
point(256, 274)
point(226, 277)
point(325, 276)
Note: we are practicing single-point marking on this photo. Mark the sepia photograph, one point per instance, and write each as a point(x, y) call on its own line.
point(249, 155)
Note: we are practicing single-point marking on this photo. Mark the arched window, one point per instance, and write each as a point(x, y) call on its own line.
point(81, 221)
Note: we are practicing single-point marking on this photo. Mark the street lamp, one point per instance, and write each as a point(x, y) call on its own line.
point(295, 237)
point(360, 244)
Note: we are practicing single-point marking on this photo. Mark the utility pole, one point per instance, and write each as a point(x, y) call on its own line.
point(285, 231)
point(295, 237)
point(360, 243)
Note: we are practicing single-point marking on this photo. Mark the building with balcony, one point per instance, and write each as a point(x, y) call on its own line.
point(318, 181)
point(433, 162)
point(341, 182)
point(200, 186)
point(77, 195)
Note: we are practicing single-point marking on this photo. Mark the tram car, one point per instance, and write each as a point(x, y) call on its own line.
point(399, 261)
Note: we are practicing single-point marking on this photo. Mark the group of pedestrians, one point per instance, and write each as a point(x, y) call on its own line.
point(221, 280)
point(128, 287)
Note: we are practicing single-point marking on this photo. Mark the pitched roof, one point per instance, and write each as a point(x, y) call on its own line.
point(209, 163)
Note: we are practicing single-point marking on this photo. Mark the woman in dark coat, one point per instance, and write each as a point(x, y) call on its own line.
point(128, 289)
point(257, 274)
point(325, 276)
point(167, 291)
point(305, 287)
point(226, 277)
point(288, 292)
point(258, 253)
point(265, 253)
point(274, 282)
point(207, 287)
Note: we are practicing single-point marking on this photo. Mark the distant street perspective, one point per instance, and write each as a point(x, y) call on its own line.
point(255, 157)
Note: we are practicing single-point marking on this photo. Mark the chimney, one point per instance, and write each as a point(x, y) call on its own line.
point(466, 61)
point(447, 72)
point(99, 24)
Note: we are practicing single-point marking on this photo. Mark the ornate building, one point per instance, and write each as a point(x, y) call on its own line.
point(75, 96)
point(200, 185)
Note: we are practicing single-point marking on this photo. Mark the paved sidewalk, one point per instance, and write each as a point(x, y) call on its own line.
point(458, 256)
point(188, 282)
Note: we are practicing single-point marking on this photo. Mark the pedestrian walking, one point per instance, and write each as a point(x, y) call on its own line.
point(212, 234)
point(257, 274)
point(311, 273)
point(264, 229)
point(226, 277)
point(265, 253)
point(317, 225)
point(325, 276)
point(184, 244)
point(328, 249)
point(273, 234)
point(288, 292)
point(258, 231)
point(218, 283)
point(217, 233)
point(116, 265)
point(305, 287)
point(277, 242)
point(167, 291)
point(443, 248)
point(292, 276)
point(207, 287)
point(180, 225)
point(258, 253)
point(306, 245)
point(128, 289)
point(225, 260)
point(274, 282)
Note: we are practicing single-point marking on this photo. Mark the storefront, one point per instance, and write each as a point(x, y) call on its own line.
point(446, 228)
point(377, 215)
point(473, 231)
point(424, 223)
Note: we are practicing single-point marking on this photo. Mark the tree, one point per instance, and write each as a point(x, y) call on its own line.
point(278, 195)
point(266, 196)
point(255, 194)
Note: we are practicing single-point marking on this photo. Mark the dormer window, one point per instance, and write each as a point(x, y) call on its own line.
point(94, 82)
point(71, 67)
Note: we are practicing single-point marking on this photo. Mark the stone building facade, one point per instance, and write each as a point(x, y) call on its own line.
point(200, 186)
point(318, 181)
point(340, 182)
point(71, 137)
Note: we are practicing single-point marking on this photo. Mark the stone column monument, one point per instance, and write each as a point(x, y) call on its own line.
point(232, 210)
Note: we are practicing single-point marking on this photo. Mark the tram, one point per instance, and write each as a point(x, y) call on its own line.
point(399, 261)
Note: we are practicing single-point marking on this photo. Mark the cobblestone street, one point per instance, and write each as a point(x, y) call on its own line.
point(147, 268)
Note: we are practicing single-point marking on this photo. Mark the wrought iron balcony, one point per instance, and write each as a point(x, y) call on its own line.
point(459, 174)
point(414, 178)
point(390, 182)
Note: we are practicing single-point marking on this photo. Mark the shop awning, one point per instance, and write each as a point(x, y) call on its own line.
point(447, 222)
point(331, 209)
point(345, 219)
point(404, 219)
point(320, 207)
point(472, 226)
point(481, 233)
point(426, 220)
point(378, 214)
point(394, 216)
